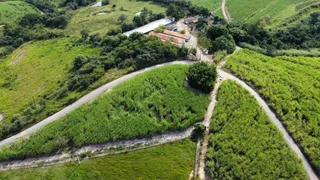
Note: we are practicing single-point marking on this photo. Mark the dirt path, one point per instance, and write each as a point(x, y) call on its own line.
point(207, 121)
point(225, 12)
point(98, 150)
point(85, 99)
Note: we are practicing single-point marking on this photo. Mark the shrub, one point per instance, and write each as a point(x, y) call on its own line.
point(202, 76)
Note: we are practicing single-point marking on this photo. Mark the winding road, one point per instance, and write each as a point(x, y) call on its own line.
point(85, 99)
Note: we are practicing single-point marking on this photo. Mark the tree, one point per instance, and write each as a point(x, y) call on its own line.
point(201, 24)
point(198, 131)
point(175, 12)
point(216, 31)
point(84, 34)
point(202, 76)
point(122, 18)
point(222, 43)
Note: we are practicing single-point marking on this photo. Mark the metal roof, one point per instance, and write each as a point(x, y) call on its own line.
point(149, 27)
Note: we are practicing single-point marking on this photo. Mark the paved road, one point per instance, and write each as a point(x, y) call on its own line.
point(85, 99)
point(276, 121)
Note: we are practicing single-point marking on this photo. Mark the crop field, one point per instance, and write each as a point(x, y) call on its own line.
point(101, 19)
point(212, 5)
point(12, 10)
point(154, 102)
point(169, 161)
point(291, 87)
point(35, 70)
point(252, 11)
point(244, 144)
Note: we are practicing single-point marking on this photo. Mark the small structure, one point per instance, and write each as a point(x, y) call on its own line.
point(98, 4)
point(178, 35)
point(173, 40)
point(190, 20)
point(149, 27)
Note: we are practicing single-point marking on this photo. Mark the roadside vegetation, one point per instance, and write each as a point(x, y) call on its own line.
point(11, 11)
point(214, 6)
point(151, 103)
point(290, 85)
point(244, 144)
point(169, 161)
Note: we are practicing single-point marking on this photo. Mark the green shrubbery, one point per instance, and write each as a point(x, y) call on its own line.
point(290, 85)
point(154, 102)
point(202, 76)
point(244, 144)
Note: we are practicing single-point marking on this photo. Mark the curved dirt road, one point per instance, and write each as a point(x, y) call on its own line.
point(85, 99)
point(225, 12)
point(276, 121)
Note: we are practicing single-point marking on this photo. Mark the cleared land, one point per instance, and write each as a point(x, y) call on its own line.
point(34, 71)
point(153, 102)
point(244, 144)
point(13, 10)
point(291, 87)
point(101, 19)
point(252, 11)
point(170, 161)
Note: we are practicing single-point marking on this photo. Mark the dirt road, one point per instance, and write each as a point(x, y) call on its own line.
point(225, 12)
point(85, 99)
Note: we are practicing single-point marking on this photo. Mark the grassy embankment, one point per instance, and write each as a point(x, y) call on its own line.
point(90, 19)
point(274, 10)
point(291, 87)
point(170, 161)
point(244, 143)
point(11, 11)
point(153, 102)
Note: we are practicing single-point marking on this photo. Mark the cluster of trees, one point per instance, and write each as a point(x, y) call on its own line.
point(137, 50)
point(291, 87)
point(244, 144)
point(75, 4)
point(154, 102)
point(144, 18)
point(202, 76)
point(216, 38)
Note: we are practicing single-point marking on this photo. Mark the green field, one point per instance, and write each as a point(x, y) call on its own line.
point(11, 11)
point(244, 144)
point(213, 5)
point(35, 70)
point(88, 18)
point(291, 87)
point(154, 102)
point(252, 11)
point(170, 161)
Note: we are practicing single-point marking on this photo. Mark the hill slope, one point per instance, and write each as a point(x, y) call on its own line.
point(13, 10)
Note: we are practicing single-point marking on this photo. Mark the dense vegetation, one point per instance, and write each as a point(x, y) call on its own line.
point(170, 161)
point(153, 102)
point(202, 76)
point(291, 87)
point(11, 11)
point(244, 144)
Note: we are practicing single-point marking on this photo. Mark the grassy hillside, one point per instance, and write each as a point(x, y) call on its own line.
point(11, 11)
point(170, 161)
point(291, 86)
point(252, 11)
point(90, 19)
point(244, 144)
point(153, 102)
point(35, 70)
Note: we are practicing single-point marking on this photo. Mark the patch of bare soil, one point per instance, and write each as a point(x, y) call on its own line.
point(18, 57)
